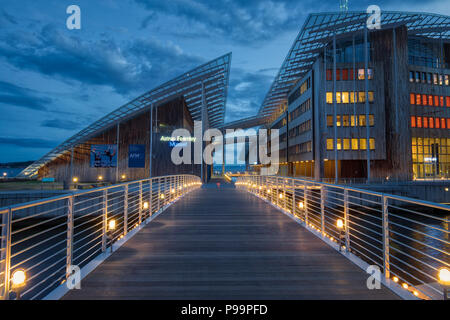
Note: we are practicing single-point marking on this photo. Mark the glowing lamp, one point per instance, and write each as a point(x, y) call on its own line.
point(75, 179)
point(145, 205)
point(18, 278)
point(100, 178)
point(112, 224)
point(444, 276)
point(339, 223)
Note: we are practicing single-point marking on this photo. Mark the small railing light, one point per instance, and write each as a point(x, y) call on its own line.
point(124, 177)
point(281, 196)
point(112, 224)
point(301, 205)
point(100, 178)
point(145, 205)
point(340, 224)
point(75, 179)
point(18, 279)
point(444, 281)
point(162, 196)
point(395, 279)
point(172, 190)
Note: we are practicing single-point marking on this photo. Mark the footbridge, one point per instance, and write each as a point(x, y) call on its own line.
point(258, 238)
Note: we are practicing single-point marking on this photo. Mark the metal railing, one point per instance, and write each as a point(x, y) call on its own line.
point(45, 238)
point(407, 239)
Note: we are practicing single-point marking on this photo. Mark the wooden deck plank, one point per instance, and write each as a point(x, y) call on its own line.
point(225, 244)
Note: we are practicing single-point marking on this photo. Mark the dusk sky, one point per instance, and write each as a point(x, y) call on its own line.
point(55, 81)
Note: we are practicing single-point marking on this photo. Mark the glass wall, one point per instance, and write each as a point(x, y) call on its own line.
point(431, 158)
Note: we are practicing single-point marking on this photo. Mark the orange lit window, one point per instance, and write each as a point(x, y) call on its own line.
point(412, 98)
point(329, 74)
point(436, 123)
point(418, 99)
point(425, 122)
point(413, 122)
point(352, 73)
point(436, 101)
point(338, 74)
point(431, 122)
point(448, 123)
point(441, 100)
point(424, 99)
point(344, 74)
point(447, 101)
point(442, 123)
point(430, 100)
point(419, 122)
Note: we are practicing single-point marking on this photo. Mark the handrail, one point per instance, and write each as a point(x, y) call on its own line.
point(47, 237)
point(400, 235)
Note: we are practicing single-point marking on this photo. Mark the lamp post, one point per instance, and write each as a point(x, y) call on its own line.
point(444, 281)
point(18, 282)
point(111, 228)
point(340, 227)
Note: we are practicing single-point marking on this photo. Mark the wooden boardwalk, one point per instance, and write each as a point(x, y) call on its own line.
point(225, 244)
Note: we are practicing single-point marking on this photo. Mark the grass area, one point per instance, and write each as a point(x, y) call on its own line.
point(29, 185)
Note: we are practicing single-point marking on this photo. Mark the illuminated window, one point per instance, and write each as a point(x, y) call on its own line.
point(361, 96)
point(353, 122)
point(344, 74)
point(419, 122)
point(436, 123)
point(425, 122)
point(329, 75)
point(412, 98)
point(338, 97)
point(338, 74)
point(345, 121)
point(362, 120)
point(329, 97)
point(372, 143)
point(417, 76)
point(442, 123)
point(354, 144)
point(330, 144)
point(431, 122)
point(352, 73)
point(362, 144)
point(448, 127)
point(424, 77)
point(418, 99)
point(339, 144)
point(424, 99)
point(430, 100)
point(440, 80)
point(371, 96)
point(371, 120)
point(345, 97)
point(429, 78)
point(329, 121)
point(353, 98)
point(446, 80)
point(435, 78)
point(338, 121)
point(413, 122)
point(436, 101)
point(346, 144)
point(441, 101)
point(447, 101)
point(360, 74)
point(370, 74)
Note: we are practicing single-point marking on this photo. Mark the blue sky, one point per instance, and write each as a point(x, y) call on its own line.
point(55, 81)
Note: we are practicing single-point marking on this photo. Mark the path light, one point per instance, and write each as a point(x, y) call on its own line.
point(395, 279)
point(111, 228)
point(5, 174)
point(112, 225)
point(18, 281)
point(405, 286)
point(444, 281)
point(145, 205)
point(75, 179)
point(124, 177)
point(100, 178)
point(340, 226)
point(301, 205)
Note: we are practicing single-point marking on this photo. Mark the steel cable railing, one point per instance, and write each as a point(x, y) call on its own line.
point(407, 239)
point(45, 238)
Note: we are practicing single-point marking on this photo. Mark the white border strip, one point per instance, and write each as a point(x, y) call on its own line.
point(388, 283)
point(62, 289)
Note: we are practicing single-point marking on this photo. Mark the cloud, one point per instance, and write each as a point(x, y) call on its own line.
point(22, 97)
point(60, 124)
point(6, 18)
point(28, 142)
point(244, 21)
point(130, 67)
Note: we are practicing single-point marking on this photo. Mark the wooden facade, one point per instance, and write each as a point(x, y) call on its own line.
point(166, 118)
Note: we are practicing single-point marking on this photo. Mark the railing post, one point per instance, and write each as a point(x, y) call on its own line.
point(305, 201)
point(150, 203)
point(140, 202)
point(159, 194)
point(284, 195)
point(293, 197)
point(6, 253)
point(346, 221)
point(69, 255)
point(385, 221)
point(322, 209)
point(105, 219)
point(125, 211)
